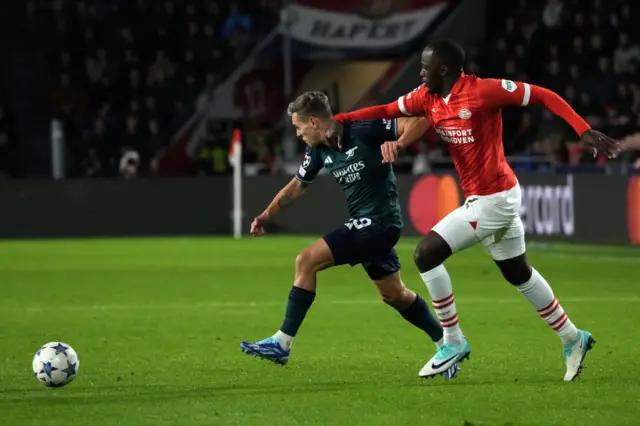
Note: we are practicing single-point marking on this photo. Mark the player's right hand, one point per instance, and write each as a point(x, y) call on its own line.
point(389, 151)
point(257, 226)
point(334, 134)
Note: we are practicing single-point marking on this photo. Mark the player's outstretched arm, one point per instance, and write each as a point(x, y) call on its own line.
point(498, 93)
point(406, 106)
point(335, 129)
point(391, 110)
point(411, 104)
point(410, 130)
point(285, 197)
point(593, 139)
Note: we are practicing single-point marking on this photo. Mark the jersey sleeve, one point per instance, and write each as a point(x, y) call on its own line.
point(498, 93)
point(413, 103)
point(375, 132)
point(310, 167)
point(494, 93)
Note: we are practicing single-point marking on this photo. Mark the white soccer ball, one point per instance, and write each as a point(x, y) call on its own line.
point(55, 364)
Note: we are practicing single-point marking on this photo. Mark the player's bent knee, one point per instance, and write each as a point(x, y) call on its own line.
point(393, 292)
point(432, 251)
point(515, 270)
point(421, 258)
point(392, 295)
point(302, 260)
point(305, 260)
point(395, 299)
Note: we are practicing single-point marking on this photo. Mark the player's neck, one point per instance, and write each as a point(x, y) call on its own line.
point(322, 129)
point(447, 85)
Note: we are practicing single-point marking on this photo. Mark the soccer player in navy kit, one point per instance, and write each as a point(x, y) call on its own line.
point(367, 238)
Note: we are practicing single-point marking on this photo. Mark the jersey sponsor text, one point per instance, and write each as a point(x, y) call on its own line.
point(455, 135)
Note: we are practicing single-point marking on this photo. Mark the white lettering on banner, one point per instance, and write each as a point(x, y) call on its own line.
point(548, 209)
point(455, 135)
point(348, 30)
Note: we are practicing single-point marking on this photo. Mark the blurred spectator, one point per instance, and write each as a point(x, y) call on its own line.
point(626, 56)
point(129, 164)
point(552, 13)
point(236, 20)
point(162, 68)
point(91, 165)
point(97, 65)
point(213, 155)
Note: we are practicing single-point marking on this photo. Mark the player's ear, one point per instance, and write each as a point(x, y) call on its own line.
point(444, 70)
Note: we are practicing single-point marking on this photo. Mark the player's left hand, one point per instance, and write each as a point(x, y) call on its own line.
point(389, 151)
point(599, 142)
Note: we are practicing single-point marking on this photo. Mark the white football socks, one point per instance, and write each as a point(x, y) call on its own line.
point(438, 283)
point(285, 340)
point(538, 292)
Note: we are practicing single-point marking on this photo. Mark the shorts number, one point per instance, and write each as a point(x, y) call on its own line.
point(358, 223)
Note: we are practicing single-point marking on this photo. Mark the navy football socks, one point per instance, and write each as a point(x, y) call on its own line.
point(418, 314)
point(300, 301)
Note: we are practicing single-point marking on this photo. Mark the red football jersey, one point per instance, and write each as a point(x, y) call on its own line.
point(469, 120)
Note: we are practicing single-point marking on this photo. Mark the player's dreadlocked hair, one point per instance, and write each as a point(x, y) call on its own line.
point(449, 52)
point(311, 103)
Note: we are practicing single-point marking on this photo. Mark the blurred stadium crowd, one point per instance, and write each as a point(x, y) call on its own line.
point(126, 74)
point(585, 50)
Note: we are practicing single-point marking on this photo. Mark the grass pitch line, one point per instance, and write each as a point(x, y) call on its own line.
point(244, 307)
point(557, 254)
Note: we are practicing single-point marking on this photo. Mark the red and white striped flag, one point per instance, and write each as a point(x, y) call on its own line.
point(235, 150)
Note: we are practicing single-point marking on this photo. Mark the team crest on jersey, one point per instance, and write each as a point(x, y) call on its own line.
point(350, 152)
point(509, 86)
point(465, 114)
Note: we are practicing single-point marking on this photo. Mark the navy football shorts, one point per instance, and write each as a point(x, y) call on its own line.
point(367, 242)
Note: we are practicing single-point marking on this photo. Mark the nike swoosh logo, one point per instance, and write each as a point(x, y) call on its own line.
point(436, 366)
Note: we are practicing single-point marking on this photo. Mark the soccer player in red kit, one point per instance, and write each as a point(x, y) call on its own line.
point(466, 112)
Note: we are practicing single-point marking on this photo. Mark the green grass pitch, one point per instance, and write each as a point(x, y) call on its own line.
point(157, 322)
